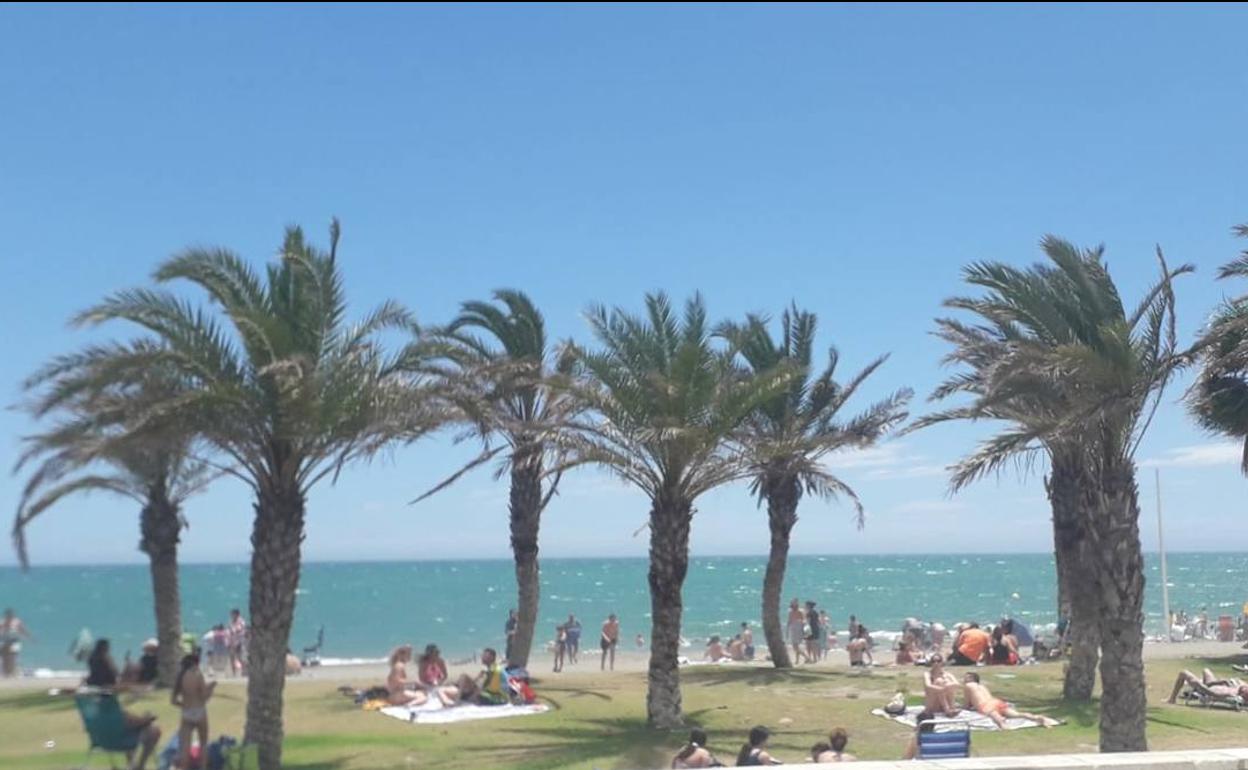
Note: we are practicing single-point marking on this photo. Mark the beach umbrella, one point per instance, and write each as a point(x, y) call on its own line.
point(1023, 634)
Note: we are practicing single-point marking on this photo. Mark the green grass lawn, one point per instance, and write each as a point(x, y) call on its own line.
point(599, 721)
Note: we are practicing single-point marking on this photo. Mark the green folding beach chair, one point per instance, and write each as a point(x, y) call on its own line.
point(106, 726)
point(242, 757)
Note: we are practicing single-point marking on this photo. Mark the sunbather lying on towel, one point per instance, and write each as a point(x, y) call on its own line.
point(1210, 685)
point(981, 699)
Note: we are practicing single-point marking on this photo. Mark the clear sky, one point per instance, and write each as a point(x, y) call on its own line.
point(848, 158)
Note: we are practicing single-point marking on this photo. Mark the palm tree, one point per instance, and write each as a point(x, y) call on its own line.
point(793, 432)
point(1062, 327)
point(503, 389)
point(291, 396)
point(1219, 398)
point(665, 409)
point(1006, 392)
point(84, 453)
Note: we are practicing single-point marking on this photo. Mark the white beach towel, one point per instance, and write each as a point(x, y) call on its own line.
point(434, 713)
point(974, 719)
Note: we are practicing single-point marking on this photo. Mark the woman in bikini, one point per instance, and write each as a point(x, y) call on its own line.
point(695, 753)
point(754, 752)
point(431, 671)
point(191, 694)
point(396, 682)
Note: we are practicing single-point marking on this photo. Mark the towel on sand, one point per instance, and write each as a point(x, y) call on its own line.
point(976, 720)
point(434, 713)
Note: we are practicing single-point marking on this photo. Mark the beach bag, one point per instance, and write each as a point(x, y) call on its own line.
point(524, 693)
point(897, 706)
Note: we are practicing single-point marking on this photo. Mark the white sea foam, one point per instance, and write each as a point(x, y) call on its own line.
point(352, 661)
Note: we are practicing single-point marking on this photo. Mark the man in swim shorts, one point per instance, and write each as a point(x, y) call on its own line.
point(610, 638)
point(980, 698)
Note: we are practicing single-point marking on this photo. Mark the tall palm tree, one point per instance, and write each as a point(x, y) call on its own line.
point(85, 453)
point(666, 408)
point(1219, 398)
point(502, 389)
point(1062, 327)
point(794, 431)
point(1006, 392)
point(289, 394)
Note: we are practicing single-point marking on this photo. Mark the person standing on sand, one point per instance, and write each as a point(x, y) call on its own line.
point(573, 627)
point(829, 636)
point(509, 628)
point(238, 643)
point(796, 626)
point(610, 638)
point(12, 631)
point(815, 637)
point(561, 646)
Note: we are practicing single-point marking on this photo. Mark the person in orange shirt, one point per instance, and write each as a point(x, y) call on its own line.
point(973, 646)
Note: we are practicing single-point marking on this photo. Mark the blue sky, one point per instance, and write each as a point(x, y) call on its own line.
point(848, 158)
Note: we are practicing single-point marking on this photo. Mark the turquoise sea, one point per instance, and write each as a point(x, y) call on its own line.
point(366, 608)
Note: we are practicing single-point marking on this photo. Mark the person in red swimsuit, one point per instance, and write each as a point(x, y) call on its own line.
point(980, 698)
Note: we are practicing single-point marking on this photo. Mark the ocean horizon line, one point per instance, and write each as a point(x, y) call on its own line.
point(639, 558)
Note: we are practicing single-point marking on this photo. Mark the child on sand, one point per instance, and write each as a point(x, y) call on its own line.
point(191, 693)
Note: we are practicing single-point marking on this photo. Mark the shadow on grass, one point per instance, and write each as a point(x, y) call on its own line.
point(38, 700)
point(622, 742)
point(332, 764)
point(1086, 714)
point(573, 693)
point(760, 677)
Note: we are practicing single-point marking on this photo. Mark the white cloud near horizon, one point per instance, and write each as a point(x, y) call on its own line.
point(884, 462)
point(1197, 456)
point(930, 506)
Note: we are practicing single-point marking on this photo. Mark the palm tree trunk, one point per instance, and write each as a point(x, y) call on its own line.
point(782, 497)
point(526, 512)
point(1078, 603)
point(1119, 569)
point(275, 561)
point(160, 527)
point(669, 563)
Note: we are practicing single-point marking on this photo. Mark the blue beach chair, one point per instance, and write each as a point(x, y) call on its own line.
point(106, 726)
point(949, 744)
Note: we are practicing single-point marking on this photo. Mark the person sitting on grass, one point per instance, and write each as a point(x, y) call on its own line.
point(939, 687)
point(833, 750)
point(400, 692)
point(102, 674)
point(695, 753)
point(492, 689)
point(981, 699)
point(922, 724)
point(1209, 685)
point(754, 752)
point(431, 670)
point(191, 694)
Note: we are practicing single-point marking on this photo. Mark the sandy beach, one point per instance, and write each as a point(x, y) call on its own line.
point(361, 675)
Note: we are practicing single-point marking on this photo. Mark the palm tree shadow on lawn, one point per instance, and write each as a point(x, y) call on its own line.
point(625, 742)
point(760, 677)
